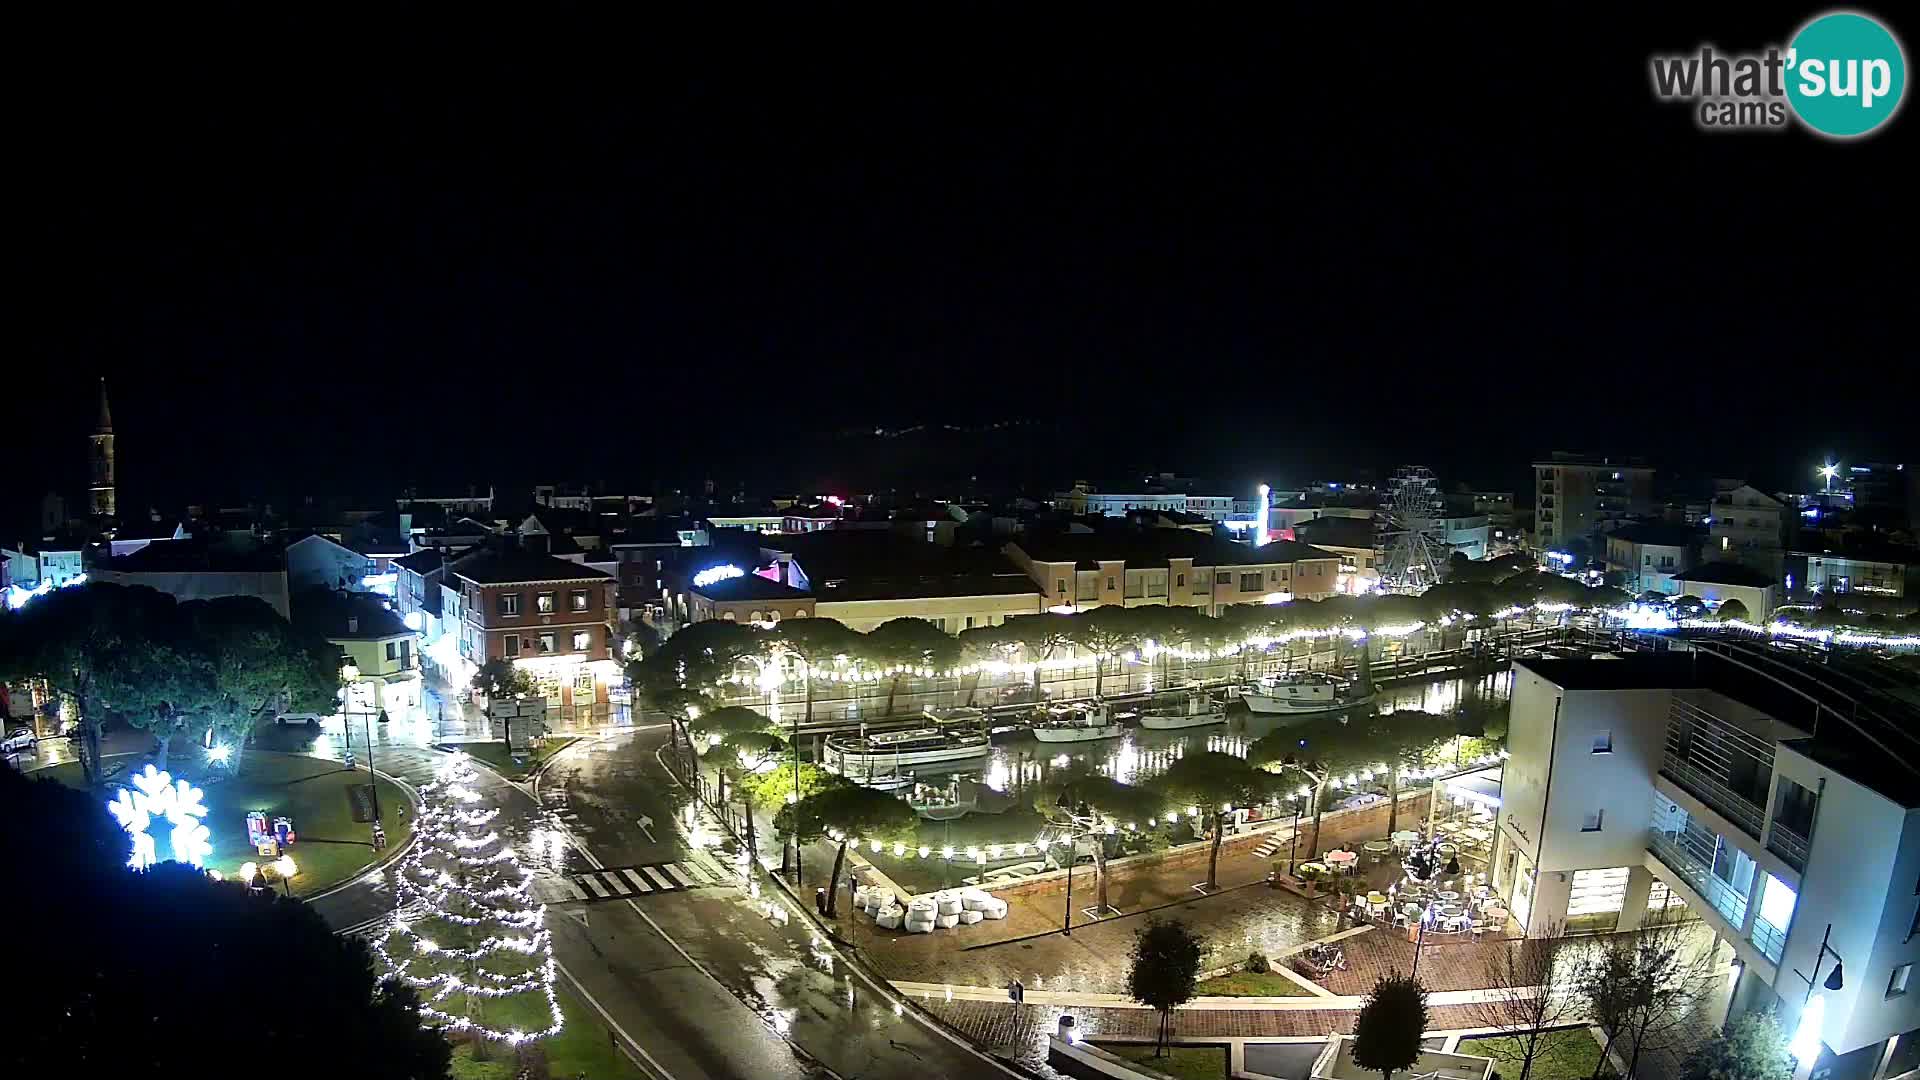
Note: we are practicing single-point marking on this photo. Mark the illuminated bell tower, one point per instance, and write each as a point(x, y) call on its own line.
point(100, 496)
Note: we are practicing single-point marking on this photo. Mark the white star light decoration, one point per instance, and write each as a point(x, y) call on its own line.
point(156, 794)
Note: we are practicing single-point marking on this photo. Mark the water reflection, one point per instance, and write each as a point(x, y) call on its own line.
point(1019, 761)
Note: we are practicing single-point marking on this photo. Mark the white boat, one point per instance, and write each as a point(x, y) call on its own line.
point(879, 755)
point(1078, 723)
point(1194, 709)
point(1301, 694)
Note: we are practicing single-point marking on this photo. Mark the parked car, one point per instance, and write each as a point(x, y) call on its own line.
point(307, 718)
point(19, 740)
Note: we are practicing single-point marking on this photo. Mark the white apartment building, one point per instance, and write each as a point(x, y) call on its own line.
point(1083, 500)
point(1752, 787)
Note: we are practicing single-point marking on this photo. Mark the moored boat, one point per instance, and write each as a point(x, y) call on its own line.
point(1195, 708)
point(1301, 694)
point(1078, 723)
point(882, 753)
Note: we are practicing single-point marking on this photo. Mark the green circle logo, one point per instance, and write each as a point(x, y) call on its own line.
point(1845, 74)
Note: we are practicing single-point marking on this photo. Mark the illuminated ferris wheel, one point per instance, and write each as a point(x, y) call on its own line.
point(1409, 531)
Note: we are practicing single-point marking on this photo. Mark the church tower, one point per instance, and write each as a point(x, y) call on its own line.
point(100, 494)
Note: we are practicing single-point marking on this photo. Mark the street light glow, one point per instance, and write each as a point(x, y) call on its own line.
point(219, 754)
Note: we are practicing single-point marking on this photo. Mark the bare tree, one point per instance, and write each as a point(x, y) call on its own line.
point(1643, 988)
point(1533, 984)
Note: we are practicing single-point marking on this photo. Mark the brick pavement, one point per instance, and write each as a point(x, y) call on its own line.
point(1242, 917)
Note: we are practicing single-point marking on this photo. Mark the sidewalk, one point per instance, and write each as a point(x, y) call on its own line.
point(1243, 916)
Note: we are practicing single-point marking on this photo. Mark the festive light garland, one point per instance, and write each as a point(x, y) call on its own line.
point(454, 875)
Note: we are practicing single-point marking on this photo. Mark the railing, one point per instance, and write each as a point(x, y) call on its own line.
point(1789, 845)
point(1769, 939)
point(1729, 902)
point(1717, 796)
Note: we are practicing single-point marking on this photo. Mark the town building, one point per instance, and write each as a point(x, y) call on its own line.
point(202, 570)
point(1763, 792)
point(1644, 557)
point(50, 562)
point(547, 615)
point(1750, 527)
point(1577, 496)
point(867, 577)
point(1352, 539)
point(379, 645)
point(1857, 566)
point(1718, 582)
point(472, 503)
point(1082, 571)
point(1469, 534)
point(1085, 500)
point(321, 562)
point(745, 598)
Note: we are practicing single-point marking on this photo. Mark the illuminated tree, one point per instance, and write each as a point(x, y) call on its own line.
point(1217, 784)
point(1084, 802)
point(1165, 970)
point(467, 934)
point(1106, 633)
point(849, 813)
point(903, 644)
point(1732, 610)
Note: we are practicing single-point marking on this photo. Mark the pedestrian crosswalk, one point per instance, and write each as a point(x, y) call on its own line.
point(622, 882)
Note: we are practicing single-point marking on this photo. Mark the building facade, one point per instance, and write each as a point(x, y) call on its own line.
point(1170, 567)
point(102, 492)
point(1576, 497)
point(1750, 527)
point(1644, 557)
point(1749, 789)
point(549, 616)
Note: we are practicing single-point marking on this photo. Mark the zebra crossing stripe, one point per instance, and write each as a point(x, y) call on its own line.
point(574, 891)
point(700, 873)
point(638, 881)
point(673, 870)
point(593, 883)
point(658, 878)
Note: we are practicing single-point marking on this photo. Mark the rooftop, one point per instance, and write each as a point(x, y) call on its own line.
point(346, 617)
point(424, 561)
point(1660, 533)
point(1726, 573)
point(193, 556)
point(914, 588)
point(517, 565)
point(1143, 548)
point(749, 587)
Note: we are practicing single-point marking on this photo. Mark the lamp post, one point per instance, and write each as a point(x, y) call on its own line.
point(1426, 916)
point(1835, 980)
point(350, 673)
point(1293, 853)
point(285, 867)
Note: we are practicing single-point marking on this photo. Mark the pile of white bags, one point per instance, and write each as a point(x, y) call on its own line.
point(922, 913)
point(888, 918)
point(968, 918)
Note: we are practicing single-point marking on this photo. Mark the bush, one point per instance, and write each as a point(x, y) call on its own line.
point(1257, 963)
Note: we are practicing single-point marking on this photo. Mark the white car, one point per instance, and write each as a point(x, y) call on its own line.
point(306, 718)
point(19, 741)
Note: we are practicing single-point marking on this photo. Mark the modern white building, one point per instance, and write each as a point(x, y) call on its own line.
point(1772, 796)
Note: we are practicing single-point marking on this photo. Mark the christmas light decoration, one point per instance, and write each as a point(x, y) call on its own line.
point(157, 794)
point(480, 956)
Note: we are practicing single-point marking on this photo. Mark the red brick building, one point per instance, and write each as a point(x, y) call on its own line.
point(552, 617)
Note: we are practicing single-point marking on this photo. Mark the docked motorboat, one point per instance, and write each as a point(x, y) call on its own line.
point(1195, 708)
point(1297, 693)
point(879, 755)
point(1078, 723)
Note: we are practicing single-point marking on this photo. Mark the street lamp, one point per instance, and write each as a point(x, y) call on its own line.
point(1828, 472)
point(1426, 916)
point(350, 673)
point(285, 867)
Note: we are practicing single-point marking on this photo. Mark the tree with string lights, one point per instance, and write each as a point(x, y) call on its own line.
point(467, 934)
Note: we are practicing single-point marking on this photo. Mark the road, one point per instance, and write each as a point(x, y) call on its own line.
point(694, 975)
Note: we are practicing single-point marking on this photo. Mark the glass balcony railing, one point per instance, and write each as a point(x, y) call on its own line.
point(1769, 939)
point(1722, 799)
point(1789, 845)
point(1731, 903)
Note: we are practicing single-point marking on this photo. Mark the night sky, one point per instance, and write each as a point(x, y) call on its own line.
point(349, 258)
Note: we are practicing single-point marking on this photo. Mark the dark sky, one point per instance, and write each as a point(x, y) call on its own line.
point(408, 249)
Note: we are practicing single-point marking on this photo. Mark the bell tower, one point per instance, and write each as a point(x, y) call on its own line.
point(100, 493)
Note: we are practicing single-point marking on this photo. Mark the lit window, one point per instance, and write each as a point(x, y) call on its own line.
point(579, 600)
point(583, 640)
point(543, 603)
point(546, 643)
point(1897, 985)
point(1593, 821)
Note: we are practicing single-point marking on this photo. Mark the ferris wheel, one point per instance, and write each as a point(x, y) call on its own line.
point(1410, 531)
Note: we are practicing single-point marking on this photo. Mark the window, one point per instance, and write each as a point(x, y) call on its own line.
point(393, 650)
point(1593, 821)
point(579, 599)
point(510, 644)
point(1221, 577)
point(546, 643)
point(583, 640)
point(1897, 985)
point(1250, 582)
point(1060, 586)
point(969, 622)
point(543, 603)
point(1109, 582)
point(509, 603)
point(1179, 581)
point(1603, 743)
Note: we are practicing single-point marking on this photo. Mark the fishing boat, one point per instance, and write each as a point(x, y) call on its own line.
point(880, 754)
point(1195, 708)
point(1078, 723)
point(1298, 693)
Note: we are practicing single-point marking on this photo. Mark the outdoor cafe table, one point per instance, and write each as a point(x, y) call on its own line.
point(1343, 859)
point(1307, 868)
point(1377, 848)
point(1406, 838)
point(1449, 896)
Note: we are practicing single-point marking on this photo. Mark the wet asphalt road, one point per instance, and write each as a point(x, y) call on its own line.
point(699, 982)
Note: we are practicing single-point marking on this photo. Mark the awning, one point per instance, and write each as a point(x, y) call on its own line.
point(1481, 786)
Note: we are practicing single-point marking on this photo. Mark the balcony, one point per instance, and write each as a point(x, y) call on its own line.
point(1677, 852)
point(1726, 768)
point(1789, 845)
